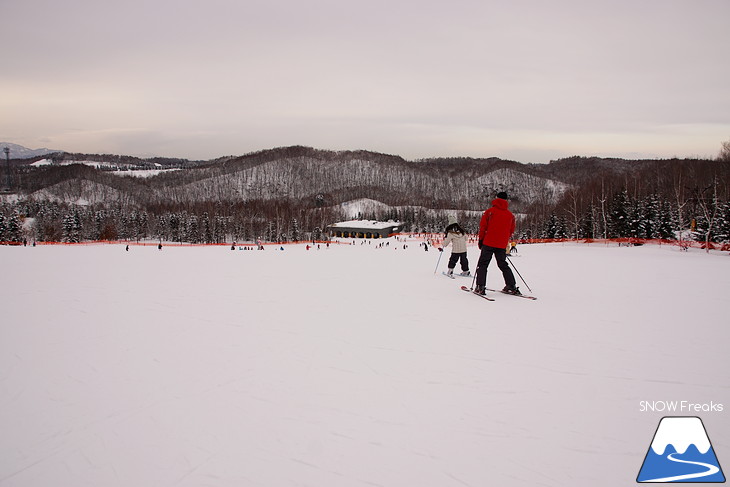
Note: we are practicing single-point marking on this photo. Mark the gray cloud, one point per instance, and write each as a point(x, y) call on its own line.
point(530, 80)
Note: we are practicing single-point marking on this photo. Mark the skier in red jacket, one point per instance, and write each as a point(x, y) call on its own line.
point(495, 230)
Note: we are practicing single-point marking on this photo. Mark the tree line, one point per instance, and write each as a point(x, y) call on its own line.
point(294, 193)
point(702, 216)
point(53, 221)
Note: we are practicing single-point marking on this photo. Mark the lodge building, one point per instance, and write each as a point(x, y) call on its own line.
point(364, 229)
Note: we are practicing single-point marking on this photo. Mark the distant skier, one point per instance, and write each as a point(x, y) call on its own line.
point(456, 236)
point(495, 229)
point(512, 247)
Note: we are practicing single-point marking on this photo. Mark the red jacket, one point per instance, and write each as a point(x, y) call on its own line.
point(497, 225)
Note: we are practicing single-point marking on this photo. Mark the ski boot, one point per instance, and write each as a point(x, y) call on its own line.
point(450, 273)
point(480, 290)
point(465, 274)
point(512, 290)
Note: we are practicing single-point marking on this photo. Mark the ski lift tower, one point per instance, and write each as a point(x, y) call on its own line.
point(6, 150)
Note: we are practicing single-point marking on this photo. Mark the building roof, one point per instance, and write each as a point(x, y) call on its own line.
point(366, 224)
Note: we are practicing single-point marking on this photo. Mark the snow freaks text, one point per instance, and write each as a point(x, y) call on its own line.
point(682, 407)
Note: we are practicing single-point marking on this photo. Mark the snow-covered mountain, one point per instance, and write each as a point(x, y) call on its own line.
point(345, 176)
point(681, 432)
point(279, 190)
point(20, 152)
point(304, 174)
point(681, 452)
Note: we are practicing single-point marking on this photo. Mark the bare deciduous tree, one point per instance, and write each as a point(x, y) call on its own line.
point(709, 206)
point(724, 154)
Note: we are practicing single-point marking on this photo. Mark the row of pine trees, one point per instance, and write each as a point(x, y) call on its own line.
point(621, 216)
point(643, 218)
point(58, 222)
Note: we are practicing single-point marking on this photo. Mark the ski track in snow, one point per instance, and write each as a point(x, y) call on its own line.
point(348, 366)
point(711, 470)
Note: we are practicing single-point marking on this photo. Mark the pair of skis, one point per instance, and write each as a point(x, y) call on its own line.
point(470, 290)
point(454, 276)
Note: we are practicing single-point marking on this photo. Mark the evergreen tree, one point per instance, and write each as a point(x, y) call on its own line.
point(294, 230)
point(635, 219)
point(125, 225)
point(206, 230)
point(3, 228)
point(99, 223)
point(49, 222)
point(221, 228)
point(246, 233)
point(665, 225)
point(173, 224)
point(13, 232)
point(618, 217)
point(191, 230)
point(723, 223)
point(555, 228)
point(138, 225)
point(587, 224)
point(72, 226)
point(40, 222)
point(161, 228)
point(651, 212)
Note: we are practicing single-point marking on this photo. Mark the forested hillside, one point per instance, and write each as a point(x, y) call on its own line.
point(293, 193)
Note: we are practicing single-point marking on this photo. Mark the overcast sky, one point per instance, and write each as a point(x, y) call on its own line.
point(528, 80)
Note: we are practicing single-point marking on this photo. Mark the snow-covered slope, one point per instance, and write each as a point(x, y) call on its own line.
point(364, 206)
point(353, 365)
point(81, 192)
point(303, 177)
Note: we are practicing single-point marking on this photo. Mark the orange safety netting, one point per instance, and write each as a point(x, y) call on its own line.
point(434, 238)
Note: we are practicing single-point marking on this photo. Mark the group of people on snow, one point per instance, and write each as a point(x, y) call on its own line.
point(495, 231)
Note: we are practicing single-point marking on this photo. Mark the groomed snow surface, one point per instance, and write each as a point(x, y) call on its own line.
point(350, 366)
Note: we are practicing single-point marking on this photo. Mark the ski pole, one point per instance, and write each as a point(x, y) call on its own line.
point(518, 272)
point(439, 261)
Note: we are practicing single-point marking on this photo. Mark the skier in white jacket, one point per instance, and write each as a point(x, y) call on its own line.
point(456, 236)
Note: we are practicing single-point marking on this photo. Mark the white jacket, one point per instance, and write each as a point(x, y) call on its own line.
point(458, 241)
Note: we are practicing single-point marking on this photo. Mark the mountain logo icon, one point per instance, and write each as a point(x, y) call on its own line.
point(680, 452)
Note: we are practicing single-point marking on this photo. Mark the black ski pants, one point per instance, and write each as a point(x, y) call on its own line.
point(461, 256)
point(500, 255)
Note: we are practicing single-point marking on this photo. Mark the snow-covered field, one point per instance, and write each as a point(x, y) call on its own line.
point(112, 168)
point(351, 366)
